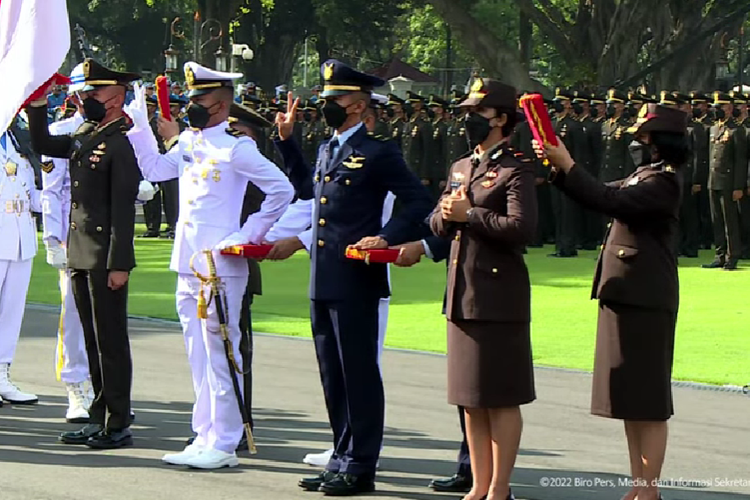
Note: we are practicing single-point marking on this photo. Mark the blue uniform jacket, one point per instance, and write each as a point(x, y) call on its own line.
point(350, 192)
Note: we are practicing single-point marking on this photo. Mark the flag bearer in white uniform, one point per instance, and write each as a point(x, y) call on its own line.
point(71, 361)
point(18, 245)
point(213, 165)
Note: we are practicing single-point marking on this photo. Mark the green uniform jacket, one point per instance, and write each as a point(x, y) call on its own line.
point(728, 157)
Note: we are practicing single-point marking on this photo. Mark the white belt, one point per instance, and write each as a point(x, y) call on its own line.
point(16, 206)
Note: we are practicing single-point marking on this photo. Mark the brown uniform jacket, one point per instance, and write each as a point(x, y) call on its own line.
point(487, 276)
point(637, 265)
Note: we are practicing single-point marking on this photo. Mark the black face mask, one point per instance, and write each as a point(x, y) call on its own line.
point(577, 108)
point(390, 113)
point(594, 112)
point(307, 116)
point(334, 114)
point(430, 114)
point(94, 110)
point(640, 153)
point(697, 113)
point(610, 113)
point(735, 113)
point(198, 115)
point(477, 129)
point(719, 114)
point(558, 107)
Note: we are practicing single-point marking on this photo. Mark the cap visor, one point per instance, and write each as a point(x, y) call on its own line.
point(199, 92)
point(472, 101)
point(334, 93)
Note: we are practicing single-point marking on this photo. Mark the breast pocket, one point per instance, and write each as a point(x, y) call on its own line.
point(348, 181)
point(623, 252)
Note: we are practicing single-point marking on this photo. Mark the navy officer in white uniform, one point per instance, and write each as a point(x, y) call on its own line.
point(353, 175)
point(214, 166)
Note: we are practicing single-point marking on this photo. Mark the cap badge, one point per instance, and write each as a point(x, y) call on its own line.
point(328, 71)
point(86, 69)
point(189, 76)
point(11, 169)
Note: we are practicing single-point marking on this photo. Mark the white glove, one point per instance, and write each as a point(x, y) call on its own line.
point(137, 109)
point(232, 240)
point(56, 255)
point(146, 191)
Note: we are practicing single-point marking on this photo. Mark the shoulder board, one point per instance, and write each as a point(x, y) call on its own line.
point(48, 166)
point(233, 132)
point(378, 137)
point(669, 168)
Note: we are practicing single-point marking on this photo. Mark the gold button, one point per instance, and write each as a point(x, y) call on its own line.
point(621, 253)
point(75, 184)
point(317, 178)
point(98, 229)
point(73, 226)
point(190, 202)
point(80, 164)
point(323, 200)
point(321, 243)
point(458, 237)
point(75, 205)
point(195, 181)
point(602, 247)
point(93, 166)
point(188, 223)
point(322, 222)
point(609, 224)
point(327, 178)
point(18, 196)
point(455, 261)
point(494, 270)
point(348, 182)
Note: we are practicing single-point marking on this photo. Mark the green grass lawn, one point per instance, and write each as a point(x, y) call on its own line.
point(713, 335)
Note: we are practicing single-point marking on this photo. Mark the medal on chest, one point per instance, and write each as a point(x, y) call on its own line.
point(11, 169)
point(618, 133)
point(489, 179)
point(457, 179)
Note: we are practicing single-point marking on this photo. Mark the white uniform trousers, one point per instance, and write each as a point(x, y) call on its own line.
point(71, 360)
point(383, 320)
point(14, 284)
point(217, 421)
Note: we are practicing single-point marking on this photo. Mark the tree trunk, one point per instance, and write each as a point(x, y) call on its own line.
point(496, 56)
point(525, 34)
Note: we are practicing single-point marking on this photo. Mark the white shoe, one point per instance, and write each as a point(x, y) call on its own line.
point(318, 459)
point(181, 458)
point(78, 404)
point(10, 393)
point(209, 458)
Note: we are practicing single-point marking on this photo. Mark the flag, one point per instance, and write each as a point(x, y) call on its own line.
point(34, 40)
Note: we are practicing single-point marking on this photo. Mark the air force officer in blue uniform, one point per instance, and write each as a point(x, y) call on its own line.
point(353, 174)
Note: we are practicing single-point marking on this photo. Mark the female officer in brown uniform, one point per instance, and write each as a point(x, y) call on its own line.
point(637, 286)
point(488, 209)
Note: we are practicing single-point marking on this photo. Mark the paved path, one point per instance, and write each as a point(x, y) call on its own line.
point(710, 436)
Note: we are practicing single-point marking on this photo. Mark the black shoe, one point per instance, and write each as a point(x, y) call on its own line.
point(690, 255)
point(132, 416)
point(731, 265)
point(314, 483)
point(346, 485)
point(81, 436)
point(111, 439)
point(457, 483)
point(149, 234)
point(716, 264)
point(242, 445)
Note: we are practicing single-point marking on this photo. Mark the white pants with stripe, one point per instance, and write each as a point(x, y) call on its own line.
point(71, 360)
point(217, 421)
point(14, 284)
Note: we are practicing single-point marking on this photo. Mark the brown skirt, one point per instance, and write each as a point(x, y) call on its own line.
point(489, 364)
point(633, 364)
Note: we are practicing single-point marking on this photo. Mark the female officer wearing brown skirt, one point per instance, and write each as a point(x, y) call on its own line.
point(488, 210)
point(637, 287)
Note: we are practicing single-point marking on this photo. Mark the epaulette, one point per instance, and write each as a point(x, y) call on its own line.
point(48, 166)
point(669, 168)
point(234, 132)
point(378, 137)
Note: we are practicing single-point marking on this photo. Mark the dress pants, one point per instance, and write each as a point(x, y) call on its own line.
point(745, 225)
point(726, 225)
point(152, 212)
point(14, 283)
point(104, 317)
point(567, 222)
point(72, 363)
point(346, 344)
point(171, 201)
point(689, 225)
point(217, 421)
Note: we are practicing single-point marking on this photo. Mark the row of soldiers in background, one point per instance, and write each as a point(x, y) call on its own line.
point(716, 201)
point(428, 130)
